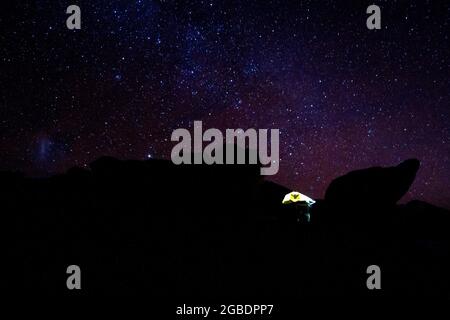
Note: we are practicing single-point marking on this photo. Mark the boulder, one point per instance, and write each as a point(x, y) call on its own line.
point(374, 187)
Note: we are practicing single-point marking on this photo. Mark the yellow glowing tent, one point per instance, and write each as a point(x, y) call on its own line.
point(295, 196)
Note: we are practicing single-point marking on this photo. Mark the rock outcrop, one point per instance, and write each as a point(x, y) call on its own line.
point(153, 228)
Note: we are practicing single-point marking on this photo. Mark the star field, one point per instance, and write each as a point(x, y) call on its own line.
point(344, 97)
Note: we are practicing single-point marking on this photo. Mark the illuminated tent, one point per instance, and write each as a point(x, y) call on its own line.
point(302, 204)
point(295, 196)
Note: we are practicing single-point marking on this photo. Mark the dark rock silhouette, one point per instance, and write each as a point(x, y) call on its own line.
point(153, 228)
point(376, 186)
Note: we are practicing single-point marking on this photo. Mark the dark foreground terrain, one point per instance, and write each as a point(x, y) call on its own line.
point(153, 228)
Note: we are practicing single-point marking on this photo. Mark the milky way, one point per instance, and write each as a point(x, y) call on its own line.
point(344, 97)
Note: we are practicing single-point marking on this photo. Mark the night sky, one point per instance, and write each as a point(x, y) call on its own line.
point(343, 96)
